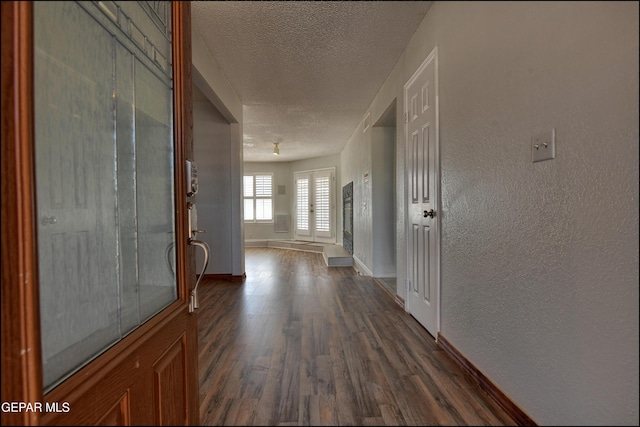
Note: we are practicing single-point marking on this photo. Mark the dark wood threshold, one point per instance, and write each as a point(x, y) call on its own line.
point(227, 277)
point(485, 384)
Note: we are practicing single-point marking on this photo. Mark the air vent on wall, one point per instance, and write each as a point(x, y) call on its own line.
point(281, 224)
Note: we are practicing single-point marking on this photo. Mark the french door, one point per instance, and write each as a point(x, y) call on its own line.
point(96, 271)
point(315, 205)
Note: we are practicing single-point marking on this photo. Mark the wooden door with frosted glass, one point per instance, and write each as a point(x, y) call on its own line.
point(95, 264)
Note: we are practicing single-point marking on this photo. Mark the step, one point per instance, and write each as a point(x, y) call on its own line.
point(337, 256)
point(334, 255)
point(295, 244)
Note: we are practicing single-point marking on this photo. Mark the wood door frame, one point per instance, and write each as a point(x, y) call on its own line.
point(21, 370)
point(21, 347)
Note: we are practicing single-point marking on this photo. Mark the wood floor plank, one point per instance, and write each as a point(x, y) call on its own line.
point(299, 343)
point(324, 376)
point(241, 412)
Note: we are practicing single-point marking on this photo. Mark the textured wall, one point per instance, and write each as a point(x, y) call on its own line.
point(539, 267)
point(363, 155)
point(317, 163)
point(540, 260)
point(383, 202)
point(212, 153)
point(212, 83)
point(356, 161)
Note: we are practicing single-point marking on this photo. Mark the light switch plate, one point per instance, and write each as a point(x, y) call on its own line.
point(543, 146)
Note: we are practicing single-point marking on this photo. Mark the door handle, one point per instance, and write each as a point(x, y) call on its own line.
point(193, 298)
point(430, 213)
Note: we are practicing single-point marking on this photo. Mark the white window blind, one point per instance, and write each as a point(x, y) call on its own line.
point(248, 186)
point(264, 210)
point(258, 201)
point(263, 185)
point(302, 203)
point(322, 207)
point(248, 209)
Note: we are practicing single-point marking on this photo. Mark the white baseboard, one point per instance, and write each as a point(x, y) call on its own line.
point(360, 267)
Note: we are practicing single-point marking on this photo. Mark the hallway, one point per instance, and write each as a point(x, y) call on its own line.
point(298, 343)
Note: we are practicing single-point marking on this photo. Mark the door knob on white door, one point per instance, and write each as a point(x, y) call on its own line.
point(430, 213)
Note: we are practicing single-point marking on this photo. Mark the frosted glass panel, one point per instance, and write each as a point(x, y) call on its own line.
point(155, 180)
point(104, 175)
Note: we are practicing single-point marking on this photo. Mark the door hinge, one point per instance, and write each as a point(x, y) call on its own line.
point(406, 117)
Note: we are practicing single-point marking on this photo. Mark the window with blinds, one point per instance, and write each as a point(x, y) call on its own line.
point(302, 203)
point(257, 191)
point(322, 206)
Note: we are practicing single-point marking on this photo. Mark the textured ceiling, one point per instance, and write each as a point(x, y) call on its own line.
point(305, 71)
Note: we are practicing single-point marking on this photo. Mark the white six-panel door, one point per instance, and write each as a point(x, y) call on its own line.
point(420, 95)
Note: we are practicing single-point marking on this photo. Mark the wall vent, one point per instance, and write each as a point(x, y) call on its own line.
point(281, 224)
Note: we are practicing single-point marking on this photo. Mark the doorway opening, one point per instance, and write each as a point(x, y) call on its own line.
point(383, 157)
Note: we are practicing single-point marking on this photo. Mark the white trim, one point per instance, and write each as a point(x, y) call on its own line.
point(366, 123)
point(332, 168)
point(438, 192)
point(361, 267)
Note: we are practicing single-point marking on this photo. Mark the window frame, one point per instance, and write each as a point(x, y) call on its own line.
point(254, 198)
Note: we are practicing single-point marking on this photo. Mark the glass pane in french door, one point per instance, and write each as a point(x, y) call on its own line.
point(104, 175)
point(322, 182)
point(302, 206)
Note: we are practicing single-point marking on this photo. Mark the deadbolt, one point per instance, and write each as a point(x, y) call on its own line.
point(430, 213)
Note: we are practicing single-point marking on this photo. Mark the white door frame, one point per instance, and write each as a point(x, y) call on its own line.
point(433, 56)
point(313, 236)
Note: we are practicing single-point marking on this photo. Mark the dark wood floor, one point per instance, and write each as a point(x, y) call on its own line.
point(298, 343)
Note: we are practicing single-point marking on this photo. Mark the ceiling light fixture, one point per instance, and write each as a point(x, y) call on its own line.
point(276, 150)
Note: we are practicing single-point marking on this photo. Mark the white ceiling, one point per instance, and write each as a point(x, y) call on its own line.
point(305, 71)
